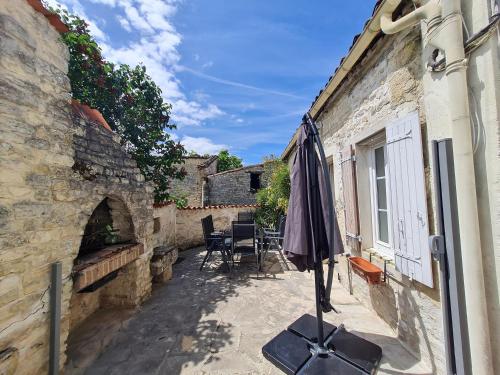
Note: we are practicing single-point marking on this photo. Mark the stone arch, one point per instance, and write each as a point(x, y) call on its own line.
point(110, 222)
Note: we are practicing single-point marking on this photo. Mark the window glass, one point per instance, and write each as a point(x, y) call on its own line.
point(379, 162)
point(381, 214)
point(381, 194)
point(383, 227)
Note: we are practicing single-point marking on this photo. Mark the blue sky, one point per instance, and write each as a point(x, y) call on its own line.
point(240, 74)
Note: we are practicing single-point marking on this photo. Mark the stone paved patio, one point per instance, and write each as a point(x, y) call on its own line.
point(208, 323)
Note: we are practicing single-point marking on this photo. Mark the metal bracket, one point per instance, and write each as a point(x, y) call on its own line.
point(400, 138)
point(437, 246)
point(356, 237)
point(350, 158)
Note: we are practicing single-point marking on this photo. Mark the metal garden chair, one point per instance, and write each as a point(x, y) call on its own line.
point(246, 216)
point(273, 241)
point(215, 241)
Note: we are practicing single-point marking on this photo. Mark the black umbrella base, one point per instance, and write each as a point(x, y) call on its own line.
point(295, 351)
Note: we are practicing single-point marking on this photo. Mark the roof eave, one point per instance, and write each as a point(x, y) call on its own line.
point(370, 32)
point(291, 145)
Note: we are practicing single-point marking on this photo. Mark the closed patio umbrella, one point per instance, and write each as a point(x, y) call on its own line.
point(312, 232)
point(311, 346)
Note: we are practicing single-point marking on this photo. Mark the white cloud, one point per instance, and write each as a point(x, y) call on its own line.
point(192, 113)
point(208, 64)
point(156, 47)
point(202, 145)
point(137, 20)
point(105, 2)
point(237, 84)
point(124, 23)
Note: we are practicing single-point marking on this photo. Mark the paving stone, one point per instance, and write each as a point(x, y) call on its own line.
point(214, 323)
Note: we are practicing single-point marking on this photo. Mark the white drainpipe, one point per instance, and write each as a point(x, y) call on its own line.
point(447, 35)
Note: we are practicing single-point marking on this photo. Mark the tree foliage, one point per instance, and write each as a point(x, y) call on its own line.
point(227, 161)
point(273, 199)
point(131, 103)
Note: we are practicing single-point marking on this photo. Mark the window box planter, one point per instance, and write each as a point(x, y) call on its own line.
point(369, 271)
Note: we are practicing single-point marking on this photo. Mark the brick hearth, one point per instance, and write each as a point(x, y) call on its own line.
point(102, 263)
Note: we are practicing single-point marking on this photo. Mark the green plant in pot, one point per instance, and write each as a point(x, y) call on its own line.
point(111, 236)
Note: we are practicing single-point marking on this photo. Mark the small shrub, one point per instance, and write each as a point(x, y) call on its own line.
point(273, 199)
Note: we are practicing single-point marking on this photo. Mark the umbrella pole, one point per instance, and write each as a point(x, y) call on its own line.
point(331, 262)
point(319, 310)
point(318, 266)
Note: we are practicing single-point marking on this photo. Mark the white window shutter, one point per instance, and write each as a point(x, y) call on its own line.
point(408, 205)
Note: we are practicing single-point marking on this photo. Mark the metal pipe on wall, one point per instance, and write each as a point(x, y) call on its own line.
point(448, 36)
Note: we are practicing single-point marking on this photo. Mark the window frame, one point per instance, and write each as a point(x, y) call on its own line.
point(383, 248)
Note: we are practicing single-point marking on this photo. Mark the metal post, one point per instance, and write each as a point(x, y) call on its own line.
point(55, 317)
point(446, 248)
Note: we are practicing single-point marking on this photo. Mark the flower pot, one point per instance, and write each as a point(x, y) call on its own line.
point(369, 271)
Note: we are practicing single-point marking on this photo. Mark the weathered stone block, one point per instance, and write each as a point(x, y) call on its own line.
point(9, 358)
point(10, 289)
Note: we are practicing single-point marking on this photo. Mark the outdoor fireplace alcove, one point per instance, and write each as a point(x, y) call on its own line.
point(108, 244)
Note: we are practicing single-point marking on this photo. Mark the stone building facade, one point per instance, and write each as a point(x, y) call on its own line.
point(61, 173)
point(380, 112)
point(236, 186)
point(191, 187)
point(386, 85)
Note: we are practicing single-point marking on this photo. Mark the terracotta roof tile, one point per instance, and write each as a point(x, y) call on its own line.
point(90, 114)
point(53, 18)
point(163, 204)
point(220, 206)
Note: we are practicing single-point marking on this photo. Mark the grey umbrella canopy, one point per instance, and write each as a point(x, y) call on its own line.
point(312, 233)
point(310, 224)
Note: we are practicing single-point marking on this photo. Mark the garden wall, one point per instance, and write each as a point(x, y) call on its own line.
point(164, 224)
point(184, 225)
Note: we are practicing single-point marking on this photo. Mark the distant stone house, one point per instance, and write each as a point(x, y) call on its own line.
point(236, 186)
point(203, 186)
point(191, 187)
point(378, 116)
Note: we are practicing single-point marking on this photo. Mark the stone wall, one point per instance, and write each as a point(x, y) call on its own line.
point(232, 187)
point(188, 222)
point(56, 168)
point(36, 155)
point(386, 85)
point(164, 225)
point(191, 187)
